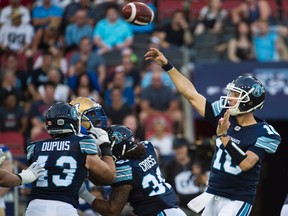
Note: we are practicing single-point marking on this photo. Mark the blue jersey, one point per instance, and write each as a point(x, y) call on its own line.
point(226, 178)
point(150, 194)
point(64, 159)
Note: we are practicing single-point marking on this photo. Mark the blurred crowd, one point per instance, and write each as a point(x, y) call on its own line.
point(52, 50)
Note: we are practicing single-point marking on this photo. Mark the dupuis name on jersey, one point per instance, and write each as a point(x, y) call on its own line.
point(56, 146)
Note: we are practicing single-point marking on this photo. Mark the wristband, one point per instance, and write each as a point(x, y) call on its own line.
point(167, 67)
point(222, 135)
point(20, 178)
point(235, 152)
point(105, 149)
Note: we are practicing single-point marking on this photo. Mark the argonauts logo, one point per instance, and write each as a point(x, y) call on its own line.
point(258, 90)
point(117, 136)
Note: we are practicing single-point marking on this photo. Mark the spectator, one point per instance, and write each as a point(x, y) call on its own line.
point(58, 60)
point(46, 19)
point(94, 62)
point(84, 87)
point(251, 11)
point(8, 85)
point(39, 76)
point(80, 68)
point(211, 18)
point(175, 33)
point(8, 10)
point(62, 92)
point(61, 3)
point(118, 109)
point(12, 116)
point(148, 74)
point(268, 45)
point(128, 65)
point(12, 64)
point(240, 48)
point(45, 15)
point(131, 122)
point(47, 39)
point(99, 11)
point(119, 81)
point(179, 174)
point(71, 9)
point(158, 99)
point(112, 32)
point(77, 30)
point(39, 108)
point(16, 36)
point(162, 140)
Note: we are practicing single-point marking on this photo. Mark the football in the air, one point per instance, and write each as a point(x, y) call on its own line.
point(138, 13)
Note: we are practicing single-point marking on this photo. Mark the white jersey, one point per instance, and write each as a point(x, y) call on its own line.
point(6, 12)
point(15, 37)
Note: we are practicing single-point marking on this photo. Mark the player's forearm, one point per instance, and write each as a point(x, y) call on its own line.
point(187, 89)
point(105, 207)
point(8, 179)
point(110, 173)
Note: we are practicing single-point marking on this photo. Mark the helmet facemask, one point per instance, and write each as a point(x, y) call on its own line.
point(241, 100)
point(94, 116)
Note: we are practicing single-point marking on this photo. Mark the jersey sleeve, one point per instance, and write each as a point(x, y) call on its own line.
point(30, 152)
point(267, 143)
point(88, 146)
point(124, 174)
point(216, 107)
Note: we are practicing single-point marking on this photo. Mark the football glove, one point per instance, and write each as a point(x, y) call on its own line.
point(85, 194)
point(33, 172)
point(99, 134)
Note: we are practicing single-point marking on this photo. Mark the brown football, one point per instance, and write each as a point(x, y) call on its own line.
point(138, 13)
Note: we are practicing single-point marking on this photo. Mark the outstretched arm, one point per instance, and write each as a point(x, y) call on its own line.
point(112, 207)
point(8, 179)
point(183, 85)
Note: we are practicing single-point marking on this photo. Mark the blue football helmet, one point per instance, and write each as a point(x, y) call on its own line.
point(251, 95)
point(122, 140)
point(91, 112)
point(62, 118)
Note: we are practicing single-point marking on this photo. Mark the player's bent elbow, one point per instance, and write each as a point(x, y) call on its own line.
point(108, 176)
point(111, 178)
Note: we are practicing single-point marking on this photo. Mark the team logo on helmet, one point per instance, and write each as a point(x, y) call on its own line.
point(74, 114)
point(118, 137)
point(258, 90)
point(60, 122)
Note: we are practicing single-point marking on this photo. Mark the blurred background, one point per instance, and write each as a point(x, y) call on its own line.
point(56, 50)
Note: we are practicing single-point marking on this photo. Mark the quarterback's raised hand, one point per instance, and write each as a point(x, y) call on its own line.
point(157, 56)
point(33, 172)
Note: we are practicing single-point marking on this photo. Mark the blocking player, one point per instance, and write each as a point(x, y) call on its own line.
point(93, 120)
point(91, 112)
point(242, 139)
point(138, 180)
point(67, 158)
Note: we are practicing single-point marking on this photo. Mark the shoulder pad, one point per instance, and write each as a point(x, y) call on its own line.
point(88, 145)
